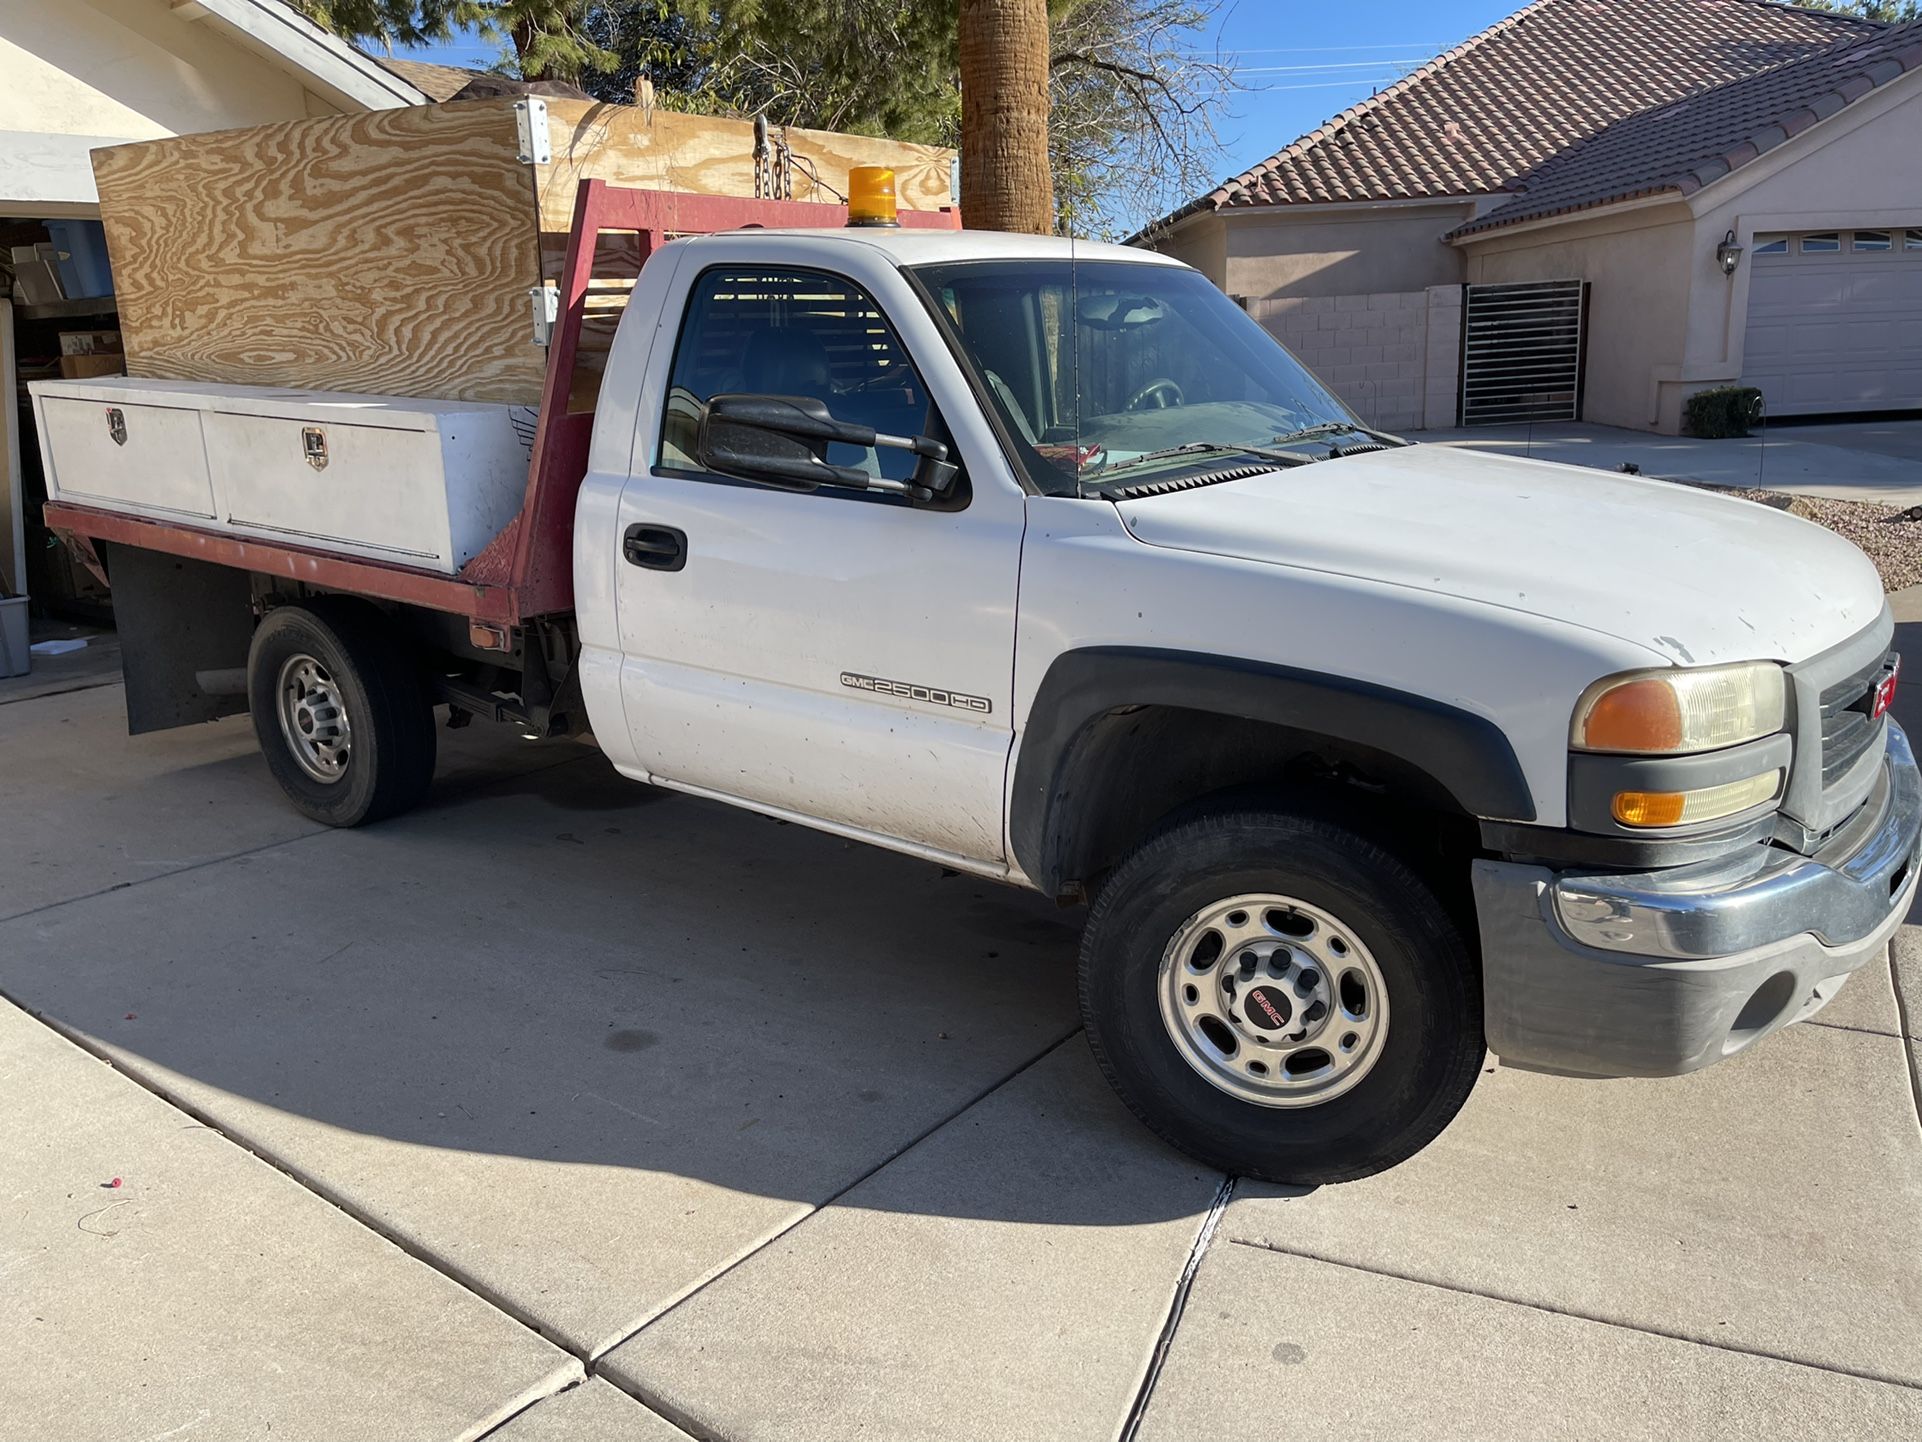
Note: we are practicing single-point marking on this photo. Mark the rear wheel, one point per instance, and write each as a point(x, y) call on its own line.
point(342, 712)
point(1281, 998)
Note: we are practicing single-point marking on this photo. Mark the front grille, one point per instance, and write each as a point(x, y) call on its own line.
point(1847, 728)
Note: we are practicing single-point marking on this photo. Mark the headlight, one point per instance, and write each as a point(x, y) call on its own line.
point(1674, 713)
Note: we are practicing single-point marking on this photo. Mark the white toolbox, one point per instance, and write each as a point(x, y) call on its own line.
point(422, 483)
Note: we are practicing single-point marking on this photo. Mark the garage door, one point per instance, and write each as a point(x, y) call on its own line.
point(1835, 321)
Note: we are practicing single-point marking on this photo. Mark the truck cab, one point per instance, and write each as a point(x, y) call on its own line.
point(1365, 753)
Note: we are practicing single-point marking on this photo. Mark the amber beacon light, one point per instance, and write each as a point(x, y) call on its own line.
point(871, 196)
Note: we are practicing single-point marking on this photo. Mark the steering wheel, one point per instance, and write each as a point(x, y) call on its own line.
point(1161, 390)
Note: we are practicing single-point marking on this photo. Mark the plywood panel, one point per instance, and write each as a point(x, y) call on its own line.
point(694, 155)
point(387, 253)
point(391, 253)
point(714, 155)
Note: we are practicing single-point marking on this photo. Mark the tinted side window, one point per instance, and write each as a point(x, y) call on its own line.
point(793, 333)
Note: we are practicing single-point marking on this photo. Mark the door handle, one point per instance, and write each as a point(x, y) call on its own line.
point(654, 548)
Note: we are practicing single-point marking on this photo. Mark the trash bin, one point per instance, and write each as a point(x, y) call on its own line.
point(13, 636)
point(84, 270)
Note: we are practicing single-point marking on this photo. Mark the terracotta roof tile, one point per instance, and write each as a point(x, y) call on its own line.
point(1476, 117)
point(1693, 142)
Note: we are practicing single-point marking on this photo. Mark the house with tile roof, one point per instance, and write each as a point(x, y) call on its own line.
point(1593, 209)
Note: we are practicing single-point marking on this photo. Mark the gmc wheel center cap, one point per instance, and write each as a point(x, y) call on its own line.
point(1267, 1008)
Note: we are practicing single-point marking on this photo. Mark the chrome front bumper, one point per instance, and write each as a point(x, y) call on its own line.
point(1661, 972)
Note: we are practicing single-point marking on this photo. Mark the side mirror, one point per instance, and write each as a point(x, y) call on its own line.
point(783, 440)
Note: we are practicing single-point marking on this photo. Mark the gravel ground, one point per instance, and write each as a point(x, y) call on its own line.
point(1891, 538)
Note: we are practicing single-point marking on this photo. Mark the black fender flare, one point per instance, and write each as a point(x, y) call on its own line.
point(1467, 755)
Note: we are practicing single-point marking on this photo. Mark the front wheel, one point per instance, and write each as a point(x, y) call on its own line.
point(1281, 998)
point(342, 712)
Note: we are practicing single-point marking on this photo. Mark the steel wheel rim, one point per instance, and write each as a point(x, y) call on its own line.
point(313, 718)
point(1273, 1000)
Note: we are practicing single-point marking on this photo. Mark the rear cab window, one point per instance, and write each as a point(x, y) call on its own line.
point(763, 330)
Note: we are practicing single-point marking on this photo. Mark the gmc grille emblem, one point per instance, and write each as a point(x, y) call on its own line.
point(1884, 694)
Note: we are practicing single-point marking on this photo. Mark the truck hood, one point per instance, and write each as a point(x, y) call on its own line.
point(1695, 577)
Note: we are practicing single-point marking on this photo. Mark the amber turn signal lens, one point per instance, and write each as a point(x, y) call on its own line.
point(1707, 803)
point(1649, 808)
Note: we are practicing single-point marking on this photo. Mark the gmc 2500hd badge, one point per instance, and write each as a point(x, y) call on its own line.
point(907, 690)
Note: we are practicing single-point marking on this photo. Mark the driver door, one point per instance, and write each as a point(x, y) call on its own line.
point(844, 656)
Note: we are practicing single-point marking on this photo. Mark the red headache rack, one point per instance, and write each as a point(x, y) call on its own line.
point(527, 570)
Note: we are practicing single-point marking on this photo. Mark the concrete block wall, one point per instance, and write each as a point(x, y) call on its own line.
point(1393, 356)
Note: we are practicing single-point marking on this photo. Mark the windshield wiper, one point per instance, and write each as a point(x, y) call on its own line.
point(1337, 428)
point(1201, 448)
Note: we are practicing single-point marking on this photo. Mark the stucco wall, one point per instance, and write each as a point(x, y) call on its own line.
point(1664, 321)
point(1298, 251)
point(1393, 356)
point(1202, 243)
point(1866, 172)
point(78, 73)
point(1638, 270)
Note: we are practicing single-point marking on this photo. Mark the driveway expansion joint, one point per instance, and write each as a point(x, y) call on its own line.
point(1911, 1049)
point(763, 1243)
point(63, 691)
point(662, 1409)
point(1858, 1030)
point(300, 1178)
point(1861, 1374)
point(1177, 1305)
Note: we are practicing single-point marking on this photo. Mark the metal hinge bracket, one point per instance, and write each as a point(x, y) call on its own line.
point(546, 300)
point(530, 129)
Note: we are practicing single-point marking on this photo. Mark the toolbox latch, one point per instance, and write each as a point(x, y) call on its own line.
point(313, 444)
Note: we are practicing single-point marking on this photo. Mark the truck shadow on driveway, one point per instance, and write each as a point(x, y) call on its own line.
point(565, 967)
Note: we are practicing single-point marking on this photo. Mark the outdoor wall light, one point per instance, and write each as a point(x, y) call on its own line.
point(1728, 254)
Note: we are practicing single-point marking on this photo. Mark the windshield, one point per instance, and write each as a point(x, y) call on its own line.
point(1099, 368)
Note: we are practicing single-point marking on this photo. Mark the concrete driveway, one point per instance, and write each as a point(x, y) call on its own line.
point(563, 1109)
point(1856, 460)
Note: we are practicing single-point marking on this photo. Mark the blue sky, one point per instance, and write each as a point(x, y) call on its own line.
point(1302, 60)
point(1305, 60)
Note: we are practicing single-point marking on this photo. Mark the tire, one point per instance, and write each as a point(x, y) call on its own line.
point(1359, 932)
point(336, 656)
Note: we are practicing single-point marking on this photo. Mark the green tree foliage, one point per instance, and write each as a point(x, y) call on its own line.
point(870, 67)
point(1135, 99)
point(656, 39)
point(547, 39)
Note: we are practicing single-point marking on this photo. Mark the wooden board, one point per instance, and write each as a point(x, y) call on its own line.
point(392, 253)
point(387, 253)
point(714, 155)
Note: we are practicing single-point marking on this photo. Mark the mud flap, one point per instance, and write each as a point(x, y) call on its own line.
point(178, 619)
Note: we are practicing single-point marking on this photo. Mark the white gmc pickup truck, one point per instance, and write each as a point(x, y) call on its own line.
point(1045, 562)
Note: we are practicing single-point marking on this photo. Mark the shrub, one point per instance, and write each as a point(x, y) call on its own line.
point(1720, 411)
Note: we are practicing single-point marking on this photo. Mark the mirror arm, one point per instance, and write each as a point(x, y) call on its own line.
point(804, 418)
point(921, 445)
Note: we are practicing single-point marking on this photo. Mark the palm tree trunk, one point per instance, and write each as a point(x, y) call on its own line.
point(1005, 181)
